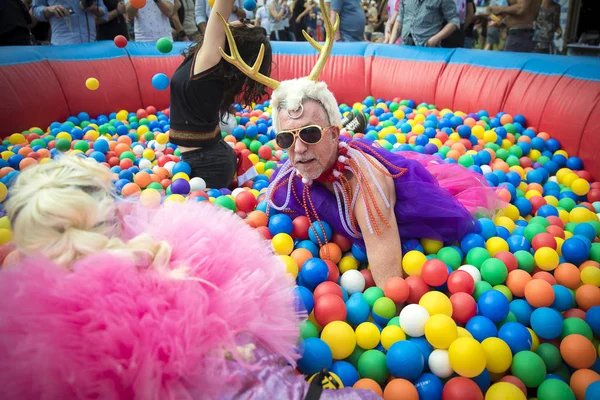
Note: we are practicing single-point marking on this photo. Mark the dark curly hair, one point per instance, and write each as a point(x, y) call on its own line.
point(238, 87)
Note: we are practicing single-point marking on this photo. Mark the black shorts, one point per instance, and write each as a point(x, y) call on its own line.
point(215, 164)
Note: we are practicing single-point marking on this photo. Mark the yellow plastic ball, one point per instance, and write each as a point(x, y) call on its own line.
point(3, 192)
point(175, 198)
point(291, 266)
point(497, 354)
point(462, 332)
point(398, 114)
point(590, 275)
point(581, 214)
point(390, 335)
point(413, 261)
point(5, 236)
point(440, 331)
point(431, 246)
point(418, 129)
point(496, 244)
point(17, 138)
point(535, 154)
point(478, 131)
point(532, 193)
point(347, 263)
point(340, 338)
point(419, 118)
point(553, 201)
point(122, 115)
point(283, 244)
point(568, 235)
point(7, 154)
point(561, 173)
point(148, 154)
point(506, 144)
point(142, 130)
point(92, 83)
point(161, 138)
point(559, 243)
point(401, 138)
point(152, 117)
point(580, 187)
point(535, 341)
point(411, 122)
point(181, 175)
point(454, 136)
point(467, 357)
point(5, 223)
point(570, 178)
point(512, 212)
point(505, 222)
point(437, 142)
point(254, 158)
point(504, 391)
point(564, 216)
point(150, 198)
point(490, 136)
point(546, 258)
point(436, 303)
point(367, 335)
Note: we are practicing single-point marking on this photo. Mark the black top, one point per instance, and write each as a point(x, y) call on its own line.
point(14, 22)
point(111, 29)
point(195, 103)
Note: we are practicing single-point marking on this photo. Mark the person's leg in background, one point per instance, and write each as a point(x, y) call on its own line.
point(216, 164)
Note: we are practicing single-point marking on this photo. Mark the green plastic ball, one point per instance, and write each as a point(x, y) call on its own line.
point(63, 144)
point(127, 154)
point(540, 221)
point(476, 256)
point(149, 136)
point(550, 355)
point(533, 229)
point(450, 256)
point(480, 288)
point(226, 202)
point(81, 145)
point(567, 203)
point(509, 318)
point(505, 291)
point(502, 154)
point(308, 330)
point(525, 260)
point(394, 321)
point(576, 325)
point(164, 45)
point(555, 389)
point(595, 252)
point(372, 365)
point(155, 185)
point(38, 142)
point(394, 106)
point(355, 356)
point(384, 307)
point(372, 294)
point(494, 271)
point(529, 368)
point(466, 160)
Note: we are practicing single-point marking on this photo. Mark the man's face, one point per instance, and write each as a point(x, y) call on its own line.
point(311, 160)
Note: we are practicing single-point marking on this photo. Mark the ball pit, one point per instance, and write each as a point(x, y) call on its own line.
point(511, 311)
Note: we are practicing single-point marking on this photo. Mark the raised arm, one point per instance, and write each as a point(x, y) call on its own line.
point(209, 55)
point(277, 15)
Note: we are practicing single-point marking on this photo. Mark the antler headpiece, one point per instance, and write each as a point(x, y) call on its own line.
point(291, 93)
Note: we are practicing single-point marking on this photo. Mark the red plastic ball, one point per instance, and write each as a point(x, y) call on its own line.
point(151, 110)
point(574, 313)
point(265, 152)
point(126, 163)
point(328, 287)
point(543, 240)
point(556, 221)
point(373, 120)
point(264, 230)
point(329, 308)
point(434, 272)
point(141, 113)
point(369, 281)
point(536, 203)
point(508, 259)
point(460, 388)
point(245, 201)
point(342, 241)
point(396, 289)
point(556, 231)
point(120, 41)
point(300, 227)
point(163, 160)
point(593, 195)
point(418, 288)
point(515, 381)
point(334, 272)
point(525, 162)
point(464, 307)
point(461, 282)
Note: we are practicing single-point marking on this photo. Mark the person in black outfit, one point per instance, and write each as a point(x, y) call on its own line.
point(204, 86)
point(14, 23)
point(116, 24)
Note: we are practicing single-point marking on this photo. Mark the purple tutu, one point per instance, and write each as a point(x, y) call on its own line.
point(434, 200)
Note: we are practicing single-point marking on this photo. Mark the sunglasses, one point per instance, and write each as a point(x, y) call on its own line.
point(311, 134)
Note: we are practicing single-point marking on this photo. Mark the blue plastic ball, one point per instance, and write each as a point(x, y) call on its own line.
point(405, 360)
point(305, 300)
point(346, 372)
point(563, 298)
point(516, 336)
point(547, 323)
point(592, 317)
point(593, 391)
point(321, 229)
point(586, 230)
point(493, 305)
point(575, 250)
point(160, 81)
point(310, 246)
point(481, 328)
point(521, 310)
point(280, 223)
point(182, 166)
point(357, 309)
point(316, 355)
point(314, 271)
point(429, 387)
point(471, 241)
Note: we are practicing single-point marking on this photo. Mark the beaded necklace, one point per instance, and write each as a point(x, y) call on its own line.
point(355, 158)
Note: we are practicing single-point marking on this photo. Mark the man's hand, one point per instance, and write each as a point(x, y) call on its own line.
point(497, 10)
point(58, 11)
point(121, 8)
point(433, 42)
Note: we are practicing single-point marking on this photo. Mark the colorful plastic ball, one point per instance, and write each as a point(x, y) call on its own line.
point(316, 355)
point(593, 391)
point(405, 360)
point(223, 201)
point(329, 308)
point(250, 5)
point(92, 83)
point(164, 45)
point(467, 357)
point(372, 364)
point(529, 368)
point(367, 335)
point(314, 271)
point(346, 372)
point(555, 389)
point(412, 262)
point(574, 250)
point(340, 338)
point(504, 391)
point(494, 271)
point(280, 223)
point(358, 309)
point(516, 336)
point(396, 289)
point(160, 81)
point(390, 335)
point(120, 41)
point(460, 282)
point(464, 307)
point(460, 388)
point(434, 272)
point(353, 281)
point(440, 331)
point(138, 3)
point(546, 258)
point(481, 328)
point(493, 305)
point(592, 317)
point(539, 293)
point(436, 303)
point(578, 351)
point(412, 320)
point(498, 355)
point(550, 355)
point(429, 387)
point(400, 388)
point(547, 323)
point(319, 232)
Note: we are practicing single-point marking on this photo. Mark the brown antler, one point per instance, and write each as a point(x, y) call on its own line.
point(325, 50)
point(236, 59)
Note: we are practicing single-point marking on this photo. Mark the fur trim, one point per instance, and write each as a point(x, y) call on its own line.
point(291, 93)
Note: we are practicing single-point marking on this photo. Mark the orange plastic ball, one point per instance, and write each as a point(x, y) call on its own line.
point(27, 162)
point(580, 380)
point(587, 296)
point(547, 276)
point(138, 4)
point(366, 383)
point(301, 255)
point(258, 217)
point(539, 293)
point(142, 179)
point(567, 274)
point(396, 289)
point(130, 189)
point(331, 252)
point(578, 351)
point(400, 389)
point(516, 282)
point(506, 119)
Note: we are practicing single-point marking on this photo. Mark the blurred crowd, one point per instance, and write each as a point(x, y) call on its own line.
point(516, 25)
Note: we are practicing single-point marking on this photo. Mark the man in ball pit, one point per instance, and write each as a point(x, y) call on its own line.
point(373, 196)
point(112, 299)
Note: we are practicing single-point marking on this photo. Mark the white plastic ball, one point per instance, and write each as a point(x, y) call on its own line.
point(151, 144)
point(553, 179)
point(486, 169)
point(138, 149)
point(353, 281)
point(412, 320)
point(145, 164)
point(197, 183)
point(236, 192)
point(471, 270)
point(169, 166)
point(439, 364)
point(231, 144)
point(160, 147)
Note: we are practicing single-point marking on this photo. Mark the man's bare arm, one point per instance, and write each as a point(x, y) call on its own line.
point(516, 9)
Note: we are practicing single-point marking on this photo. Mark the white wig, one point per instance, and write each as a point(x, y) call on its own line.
point(290, 95)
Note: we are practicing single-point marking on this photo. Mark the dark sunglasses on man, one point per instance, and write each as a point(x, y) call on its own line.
point(311, 134)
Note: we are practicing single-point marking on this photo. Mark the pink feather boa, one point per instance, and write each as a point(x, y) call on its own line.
point(113, 330)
